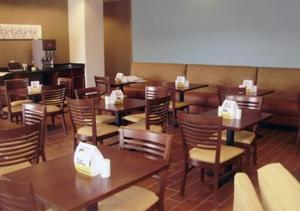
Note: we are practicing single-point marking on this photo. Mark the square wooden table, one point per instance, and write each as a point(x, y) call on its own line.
point(129, 104)
point(57, 184)
point(261, 92)
point(189, 88)
point(120, 85)
point(249, 118)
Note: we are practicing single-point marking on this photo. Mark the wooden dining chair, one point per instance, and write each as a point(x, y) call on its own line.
point(16, 95)
point(68, 84)
point(202, 145)
point(53, 98)
point(94, 93)
point(83, 118)
point(155, 146)
point(35, 113)
point(19, 148)
point(223, 91)
point(3, 102)
point(298, 132)
point(16, 196)
point(157, 111)
point(245, 138)
point(104, 84)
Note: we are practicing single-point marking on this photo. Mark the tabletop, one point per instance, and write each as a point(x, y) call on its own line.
point(261, 92)
point(115, 83)
point(129, 104)
point(249, 118)
point(191, 87)
point(57, 184)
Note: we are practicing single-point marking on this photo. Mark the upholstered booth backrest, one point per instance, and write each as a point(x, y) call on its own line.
point(158, 71)
point(220, 75)
point(279, 79)
point(279, 189)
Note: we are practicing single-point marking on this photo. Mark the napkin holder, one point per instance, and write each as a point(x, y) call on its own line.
point(229, 110)
point(181, 82)
point(35, 86)
point(120, 78)
point(249, 85)
point(87, 159)
point(116, 97)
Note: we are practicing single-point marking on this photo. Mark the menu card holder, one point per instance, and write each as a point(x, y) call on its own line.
point(181, 82)
point(230, 110)
point(120, 78)
point(35, 86)
point(116, 97)
point(87, 159)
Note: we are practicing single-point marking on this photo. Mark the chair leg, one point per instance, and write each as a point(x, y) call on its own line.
point(43, 154)
point(254, 153)
point(52, 120)
point(183, 182)
point(64, 124)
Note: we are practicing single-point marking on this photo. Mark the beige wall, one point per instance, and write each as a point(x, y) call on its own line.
point(51, 14)
point(117, 37)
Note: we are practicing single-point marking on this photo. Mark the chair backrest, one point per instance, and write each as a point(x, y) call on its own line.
point(153, 145)
point(19, 145)
point(88, 93)
point(157, 111)
point(203, 132)
point(14, 84)
point(67, 82)
point(35, 113)
point(152, 92)
point(223, 91)
point(247, 102)
point(82, 113)
point(16, 196)
point(3, 101)
point(103, 83)
point(53, 95)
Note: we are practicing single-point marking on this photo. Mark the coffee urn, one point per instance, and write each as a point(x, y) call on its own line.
point(43, 53)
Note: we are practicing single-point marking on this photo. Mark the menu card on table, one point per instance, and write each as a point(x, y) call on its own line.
point(249, 85)
point(116, 97)
point(229, 110)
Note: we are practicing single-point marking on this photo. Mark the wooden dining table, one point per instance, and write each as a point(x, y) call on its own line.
point(129, 104)
point(57, 184)
point(249, 118)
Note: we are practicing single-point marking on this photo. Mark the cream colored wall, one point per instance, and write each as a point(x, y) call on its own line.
point(51, 14)
point(86, 36)
point(117, 37)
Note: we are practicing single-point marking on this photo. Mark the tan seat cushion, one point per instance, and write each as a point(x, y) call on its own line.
point(9, 169)
point(243, 137)
point(20, 102)
point(209, 156)
point(245, 197)
point(135, 117)
point(105, 119)
point(102, 129)
point(141, 126)
point(178, 105)
point(52, 108)
point(14, 109)
point(279, 189)
point(133, 198)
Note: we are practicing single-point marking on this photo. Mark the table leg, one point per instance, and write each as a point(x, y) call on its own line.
point(121, 87)
point(181, 96)
point(92, 207)
point(118, 119)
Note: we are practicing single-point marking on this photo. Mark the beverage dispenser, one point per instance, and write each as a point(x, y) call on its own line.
point(43, 52)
